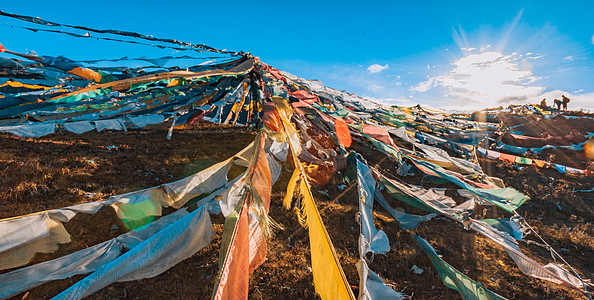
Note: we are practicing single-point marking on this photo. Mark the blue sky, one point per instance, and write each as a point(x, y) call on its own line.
point(458, 55)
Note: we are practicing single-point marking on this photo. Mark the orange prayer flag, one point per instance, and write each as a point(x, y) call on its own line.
point(86, 73)
point(540, 163)
point(342, 132)
point(508, 157)
point(257, 243)
point(272, 118)
point(262, 179)
point(234, 278)
point(243, 245)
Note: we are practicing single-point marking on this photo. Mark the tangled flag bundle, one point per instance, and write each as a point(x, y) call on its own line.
point(301, 126)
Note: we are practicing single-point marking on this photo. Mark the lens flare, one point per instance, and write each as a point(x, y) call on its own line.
point(138, 211)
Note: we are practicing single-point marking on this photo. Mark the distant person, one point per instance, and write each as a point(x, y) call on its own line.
point(565, 101)
point(557, 103)
point(543, 103)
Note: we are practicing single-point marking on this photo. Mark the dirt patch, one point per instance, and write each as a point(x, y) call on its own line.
point(65, 169)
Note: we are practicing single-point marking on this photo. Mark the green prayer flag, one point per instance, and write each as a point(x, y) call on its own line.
point(523, 160)
point(454, 279)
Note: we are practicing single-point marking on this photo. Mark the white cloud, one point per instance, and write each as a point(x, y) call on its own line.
point(593, 39)
point(535, 57)
point(485, 79)
point(582, 101)
point(569, 58)
point(375, 68)
point(374, 87)
point(425, 85)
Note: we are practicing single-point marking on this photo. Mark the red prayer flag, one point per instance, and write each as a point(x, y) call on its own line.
point(305, 96)
point(378, 134)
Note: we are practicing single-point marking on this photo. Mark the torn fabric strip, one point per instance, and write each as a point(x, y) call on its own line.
point(152, 257)
point(30, 130)
point(80, 262)
point(371, 286)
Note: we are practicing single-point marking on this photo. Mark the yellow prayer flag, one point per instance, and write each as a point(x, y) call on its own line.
point(329, 279)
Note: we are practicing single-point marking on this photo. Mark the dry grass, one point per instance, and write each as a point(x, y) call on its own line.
point(66, 169)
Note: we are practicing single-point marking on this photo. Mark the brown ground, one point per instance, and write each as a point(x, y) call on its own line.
point(536, 126)
point(64, 169)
